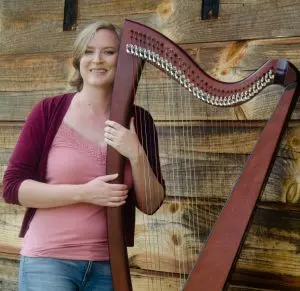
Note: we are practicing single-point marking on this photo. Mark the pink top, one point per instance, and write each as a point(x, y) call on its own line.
point(78, 231)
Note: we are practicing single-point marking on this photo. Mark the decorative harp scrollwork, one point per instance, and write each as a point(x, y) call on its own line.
point(139, 44)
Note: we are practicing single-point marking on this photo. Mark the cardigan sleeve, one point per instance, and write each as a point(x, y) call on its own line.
point(24, 161)
point(147, 134)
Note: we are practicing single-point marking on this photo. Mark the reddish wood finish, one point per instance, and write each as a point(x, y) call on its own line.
point(213, 266)
point(126, 80)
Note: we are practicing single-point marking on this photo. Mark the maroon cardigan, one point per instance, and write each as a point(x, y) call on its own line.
point(29, 158)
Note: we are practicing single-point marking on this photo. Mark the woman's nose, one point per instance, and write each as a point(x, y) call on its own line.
point(97, 57)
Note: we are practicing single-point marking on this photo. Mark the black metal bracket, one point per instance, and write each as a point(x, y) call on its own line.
point(210, 9)
point(70, 15)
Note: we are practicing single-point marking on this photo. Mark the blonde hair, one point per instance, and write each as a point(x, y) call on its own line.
point(80, 45)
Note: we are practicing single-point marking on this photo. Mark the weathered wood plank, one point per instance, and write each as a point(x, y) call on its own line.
point(11, 217)
point(15, 106)
point(262, 280)
point(168, 101)
point(174, 18)
point(25, 79)
point(247, 288)
point(28, 23)
point(193, 165)
point(227, 61)
point(168, 242)
point(33, 26)
point(209, 162)
point(163, 242)
point(161, 281)
point(34, 72)
point(9, 268)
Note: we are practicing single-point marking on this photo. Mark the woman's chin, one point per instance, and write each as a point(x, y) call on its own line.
point(100, 84)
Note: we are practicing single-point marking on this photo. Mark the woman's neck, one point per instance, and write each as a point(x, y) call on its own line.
point(95, 99)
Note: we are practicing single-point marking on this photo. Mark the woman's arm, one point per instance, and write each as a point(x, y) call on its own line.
point(53, 195)
point(97, 192)
point(149, 191)
point(24, 161)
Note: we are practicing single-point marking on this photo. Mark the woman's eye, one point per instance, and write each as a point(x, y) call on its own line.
point(109, 52)
point(88, 52)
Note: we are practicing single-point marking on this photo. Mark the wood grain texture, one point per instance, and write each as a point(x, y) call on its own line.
point(34, 72)
point(27, 78)
point(33, 26)
point(199, 160)
point(42, 22)
point(9, 268)
point(174, 18)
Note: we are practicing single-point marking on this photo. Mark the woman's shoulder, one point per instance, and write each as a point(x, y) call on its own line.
point(49, 106)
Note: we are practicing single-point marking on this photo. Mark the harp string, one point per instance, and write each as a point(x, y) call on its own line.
point(211, 157)
point(167, 128)
point(178, 185)
point(205, 173)
point(186, 160)
point(182, 174)
point(158, 235)
point(185, 169)
point(172, 160)
point(212, 171)
point(147, 241)
point(195, 244)
point(192, 177)
point(152, 242)
point(155, 253)
point(189, 164)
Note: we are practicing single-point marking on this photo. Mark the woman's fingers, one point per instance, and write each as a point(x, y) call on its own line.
point(108, 178)
point(117, 187)
point(118, 193)
point(113, 124)
point(115, 204)
point(109, 136)
point(110, 130)
point(118, 198)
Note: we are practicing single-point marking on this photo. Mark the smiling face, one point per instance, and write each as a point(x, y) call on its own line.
point(98, 63)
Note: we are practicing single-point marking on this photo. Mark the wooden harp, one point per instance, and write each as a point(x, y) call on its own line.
point(139, 44)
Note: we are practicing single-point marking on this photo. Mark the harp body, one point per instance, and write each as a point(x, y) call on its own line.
point(139, 44)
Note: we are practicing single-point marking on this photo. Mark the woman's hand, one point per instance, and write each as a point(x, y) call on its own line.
point(99, 192)
point(124, 140)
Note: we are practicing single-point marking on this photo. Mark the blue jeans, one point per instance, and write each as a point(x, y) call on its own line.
point(50, 274)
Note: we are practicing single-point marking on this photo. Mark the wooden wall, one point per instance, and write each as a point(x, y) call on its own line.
point(34, 63)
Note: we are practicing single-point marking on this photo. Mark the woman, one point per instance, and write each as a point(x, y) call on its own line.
point(57, 171)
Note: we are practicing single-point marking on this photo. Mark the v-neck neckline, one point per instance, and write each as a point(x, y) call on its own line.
point(81, 136)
